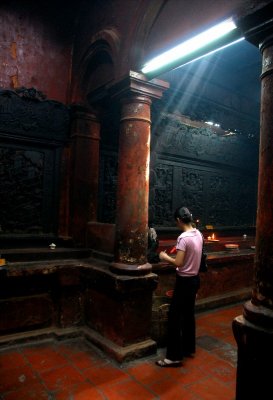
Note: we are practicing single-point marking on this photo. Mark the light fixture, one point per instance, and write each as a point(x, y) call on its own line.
point(212, 124)
point(212, 39)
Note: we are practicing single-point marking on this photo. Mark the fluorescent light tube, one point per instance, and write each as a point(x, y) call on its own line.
point(217, 36)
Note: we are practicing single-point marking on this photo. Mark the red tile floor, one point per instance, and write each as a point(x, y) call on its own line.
point(73, 370)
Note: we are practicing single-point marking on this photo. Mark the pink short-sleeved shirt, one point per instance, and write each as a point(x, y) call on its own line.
point(191, 243)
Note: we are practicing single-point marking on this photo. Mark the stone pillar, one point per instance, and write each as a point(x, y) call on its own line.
point(85, 171)
point(135, 94)
point(254, 329)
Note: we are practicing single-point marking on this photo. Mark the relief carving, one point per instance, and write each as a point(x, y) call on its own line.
point(26, 113)
point(32, 131)
point(192, 191)
point(213, 176)
point(21, 190)
point(108, 191)
point(173, 136)
point(161, 195)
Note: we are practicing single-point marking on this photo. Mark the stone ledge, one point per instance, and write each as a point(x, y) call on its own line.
point(38, 336)
point(224, 299)
point(116, 352)
point(95, 272)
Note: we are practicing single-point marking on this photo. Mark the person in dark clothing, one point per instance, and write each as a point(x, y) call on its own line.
point(152, 254)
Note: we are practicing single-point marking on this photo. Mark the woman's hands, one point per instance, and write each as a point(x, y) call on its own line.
point(163, 256)
point(177, 261)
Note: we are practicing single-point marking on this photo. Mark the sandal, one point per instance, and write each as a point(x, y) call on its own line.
point(164, 364)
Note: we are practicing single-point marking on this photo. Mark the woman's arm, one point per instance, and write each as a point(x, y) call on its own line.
point(177, 261)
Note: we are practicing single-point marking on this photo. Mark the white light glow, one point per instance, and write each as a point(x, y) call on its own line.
point(212, 124)
point(212, 52)
point(190, 46)
point(229, 133)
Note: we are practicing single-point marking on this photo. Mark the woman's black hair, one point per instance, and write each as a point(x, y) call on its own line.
point(183, 214)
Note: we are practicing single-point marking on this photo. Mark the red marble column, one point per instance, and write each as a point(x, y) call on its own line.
point(85, 171)
point(133, 183)
point(263, 292)
point(254, 329)
point(135, 93)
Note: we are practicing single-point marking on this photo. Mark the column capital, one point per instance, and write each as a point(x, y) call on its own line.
point(85, 122)
point(258, 25)
point(266, 48)
point(137, 84)
point(81, 111)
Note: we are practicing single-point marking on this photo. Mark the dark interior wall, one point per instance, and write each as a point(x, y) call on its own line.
point(35, 51)
point(104, 43)
point(210, 174)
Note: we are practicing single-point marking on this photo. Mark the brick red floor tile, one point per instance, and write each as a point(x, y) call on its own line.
point(61, 377)
point(147, 373)
point(201, 358)
point(105, 374)
point(44, 358)
point(83, 391)
point(73, 370)
point(210, 388)
point(15, 378)
point(74, 347)
point(84, 360)
point(126, 390)
point(11, 359)
point(227, 353)
point(191, 374)
point(222, 370)
point(170, 389)
point(32, 392)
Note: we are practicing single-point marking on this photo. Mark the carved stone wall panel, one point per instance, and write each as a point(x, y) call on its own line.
point(214, 175)
point(108, 186)
point(33, 131)
point(21, 190)
point(173, 137)
point(220, 200)
point(193, 185)
point(161, 195)
point(215, 196)
point(25, 113)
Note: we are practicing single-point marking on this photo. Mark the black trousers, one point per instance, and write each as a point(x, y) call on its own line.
point(181, 318)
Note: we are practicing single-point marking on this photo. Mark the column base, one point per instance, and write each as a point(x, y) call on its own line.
point(120, 353)
point(255, 354)
point(127, 269)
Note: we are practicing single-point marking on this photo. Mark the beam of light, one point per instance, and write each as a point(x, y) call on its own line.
point(219, 35)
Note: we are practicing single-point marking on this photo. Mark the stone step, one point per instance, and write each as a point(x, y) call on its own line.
point(43, 253)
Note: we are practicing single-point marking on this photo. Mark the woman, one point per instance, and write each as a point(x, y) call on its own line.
point(181, 318)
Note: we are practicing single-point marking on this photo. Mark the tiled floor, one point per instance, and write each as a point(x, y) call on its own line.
point(73, 370)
